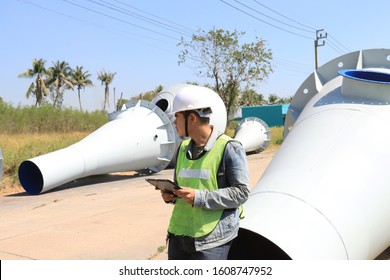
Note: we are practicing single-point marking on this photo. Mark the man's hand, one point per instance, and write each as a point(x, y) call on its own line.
point(187, 194)
point(168, 197)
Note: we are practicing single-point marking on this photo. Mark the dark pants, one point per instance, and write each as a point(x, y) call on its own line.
point(183, 248)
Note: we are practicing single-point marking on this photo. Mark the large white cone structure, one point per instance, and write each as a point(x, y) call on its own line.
point(141, 137)
point(253, 133)
point(326, 193)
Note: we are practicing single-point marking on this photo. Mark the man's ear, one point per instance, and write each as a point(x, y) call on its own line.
point(192, 117)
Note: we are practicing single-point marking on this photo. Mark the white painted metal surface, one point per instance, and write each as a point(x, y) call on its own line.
point(253, 133)
point(139, 138)
point(326, 193)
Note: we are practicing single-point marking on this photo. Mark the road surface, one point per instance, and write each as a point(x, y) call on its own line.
point(108, 217)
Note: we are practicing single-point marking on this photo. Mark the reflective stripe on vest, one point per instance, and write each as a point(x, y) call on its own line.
point(198, 174)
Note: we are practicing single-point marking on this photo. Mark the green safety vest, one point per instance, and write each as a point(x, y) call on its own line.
point(199, 174)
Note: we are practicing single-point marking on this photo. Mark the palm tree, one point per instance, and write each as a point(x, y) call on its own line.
point(106, 78)
point(61, 78)
point(158, 89)
point(251, 98)
point(81, 80)
point(37, 88)
point(273, 99)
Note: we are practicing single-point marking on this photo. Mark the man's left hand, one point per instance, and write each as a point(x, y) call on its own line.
point(188, 194)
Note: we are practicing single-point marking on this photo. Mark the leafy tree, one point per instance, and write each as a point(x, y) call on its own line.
point(106, 78)
point(37, 88)
point(60, 76)
point(81, 80)
point(218, 54)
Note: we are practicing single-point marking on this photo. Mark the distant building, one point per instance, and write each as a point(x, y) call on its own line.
point(272, 115)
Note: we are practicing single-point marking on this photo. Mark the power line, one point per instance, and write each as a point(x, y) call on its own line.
point(345, 48)
point(291, 66)
point(338, 48)
point(57, 12)
point(294, 70)
point(290, 63)
point(334, 47)
point(311, 28)
point(279, 21)
point(166, 20)
point(103, 27)
point(320, 37)
point(238, 9)
point(120, 20)
point(138, 16)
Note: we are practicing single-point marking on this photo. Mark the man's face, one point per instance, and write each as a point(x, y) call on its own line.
point(179, 122)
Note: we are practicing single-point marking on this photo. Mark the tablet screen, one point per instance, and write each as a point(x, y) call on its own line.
point(163, 184)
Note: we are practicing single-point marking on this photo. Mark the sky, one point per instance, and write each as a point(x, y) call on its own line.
point(138, 40)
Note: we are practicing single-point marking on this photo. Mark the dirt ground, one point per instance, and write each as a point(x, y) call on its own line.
point(116, 216)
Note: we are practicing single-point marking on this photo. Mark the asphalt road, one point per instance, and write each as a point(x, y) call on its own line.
point(108, 217)
point(116, 217)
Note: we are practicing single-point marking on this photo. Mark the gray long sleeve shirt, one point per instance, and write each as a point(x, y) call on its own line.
point(233, 191)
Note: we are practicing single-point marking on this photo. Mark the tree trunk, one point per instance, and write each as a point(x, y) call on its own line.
point(106, 97)
point(81, 109)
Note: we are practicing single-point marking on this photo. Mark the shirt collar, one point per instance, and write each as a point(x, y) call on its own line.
point(211, 141)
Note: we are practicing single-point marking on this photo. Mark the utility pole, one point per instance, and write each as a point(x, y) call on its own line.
point(114, 99)
point(319, 36)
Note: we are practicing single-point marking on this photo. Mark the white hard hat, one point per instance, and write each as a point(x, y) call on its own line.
point(191, 97)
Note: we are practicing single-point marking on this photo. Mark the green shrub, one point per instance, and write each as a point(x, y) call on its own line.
point(46, 119)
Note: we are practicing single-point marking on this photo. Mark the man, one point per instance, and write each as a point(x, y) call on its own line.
point(212, 171)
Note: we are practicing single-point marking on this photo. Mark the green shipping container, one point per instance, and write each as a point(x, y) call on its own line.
point(272, 115)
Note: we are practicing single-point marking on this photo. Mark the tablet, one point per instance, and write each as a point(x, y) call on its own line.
point(163, 184)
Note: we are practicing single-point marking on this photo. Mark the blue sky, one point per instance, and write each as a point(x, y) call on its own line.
point(137, 39)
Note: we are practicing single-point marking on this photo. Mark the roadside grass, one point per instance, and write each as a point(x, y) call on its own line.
point(27, 132)
point(276, 135)
point(19, 147)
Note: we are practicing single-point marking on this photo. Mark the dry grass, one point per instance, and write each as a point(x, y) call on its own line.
point(19, 147)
